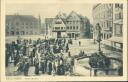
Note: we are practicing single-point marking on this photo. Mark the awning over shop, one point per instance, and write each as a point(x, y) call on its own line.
point(116, 39)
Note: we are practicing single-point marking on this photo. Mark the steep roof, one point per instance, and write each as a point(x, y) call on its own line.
point(28, 18)
point(73, 12)
point(83, 18)
point(59, 19)
point(61, 15)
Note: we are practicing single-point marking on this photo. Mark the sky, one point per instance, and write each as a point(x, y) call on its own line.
point(48, 10)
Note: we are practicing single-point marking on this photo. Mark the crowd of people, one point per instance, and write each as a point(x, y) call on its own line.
point(45, 55)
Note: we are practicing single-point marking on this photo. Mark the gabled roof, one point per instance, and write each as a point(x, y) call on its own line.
point(83, 18)
point(61, 15)
point(71, 14)
point(63, 22)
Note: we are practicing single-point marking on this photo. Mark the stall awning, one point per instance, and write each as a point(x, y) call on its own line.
point(116, 39)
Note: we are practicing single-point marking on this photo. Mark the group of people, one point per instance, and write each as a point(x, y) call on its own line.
point(46, 56)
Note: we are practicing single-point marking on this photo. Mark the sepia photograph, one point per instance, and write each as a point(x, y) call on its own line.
point(64, 39)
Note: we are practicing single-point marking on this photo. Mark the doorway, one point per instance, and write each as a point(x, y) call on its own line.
point(58, 34)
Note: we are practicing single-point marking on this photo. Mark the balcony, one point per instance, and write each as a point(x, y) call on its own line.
point(59, 29)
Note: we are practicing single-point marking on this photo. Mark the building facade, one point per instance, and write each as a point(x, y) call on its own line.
point(74, 25)
point(110, 18)
point(59, 28)
point(103, 14)
point(117, 38)
point(22, 25)
point(71, 26)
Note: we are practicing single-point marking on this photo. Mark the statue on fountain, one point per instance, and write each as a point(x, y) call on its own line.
point(97, 59)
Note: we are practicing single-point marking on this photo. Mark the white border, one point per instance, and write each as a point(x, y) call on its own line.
point(61, 78)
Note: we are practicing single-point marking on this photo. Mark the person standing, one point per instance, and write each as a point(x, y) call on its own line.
point(55, 65)
point(49, 67)
point(36, 64)
point(79, 43)
point(26, 67)
point(42, 64)
point(69, 64)
point(67, 47)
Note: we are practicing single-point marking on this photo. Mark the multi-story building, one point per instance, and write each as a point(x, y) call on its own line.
point(103, 14)
point(72, 26)
point(110, 18)
point(22, 25)
point(59, 28)
point(117, 38)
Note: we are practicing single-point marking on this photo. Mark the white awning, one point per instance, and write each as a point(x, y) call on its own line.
point(116, 39)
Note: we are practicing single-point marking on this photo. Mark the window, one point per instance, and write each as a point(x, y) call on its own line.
point(12, 32)
point(74, 27)
point(58, 22)
point(61, 28)
point(57, 28)
point(109, 24)
point(107, 36)
point(119, 15)
point(67, 27)
point(17, 33)
point(67, 22)
point(118, 29)
point(119, 6)
point(77, 27)
point(12, 27)
point(116, 5)
point(70, 27)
